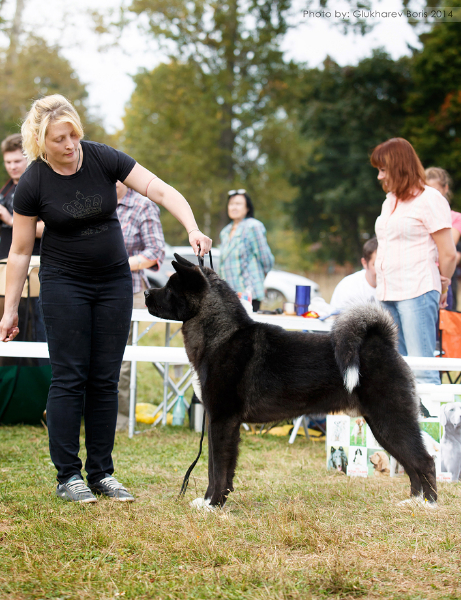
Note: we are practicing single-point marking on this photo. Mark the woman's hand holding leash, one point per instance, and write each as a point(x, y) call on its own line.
point(201, 244)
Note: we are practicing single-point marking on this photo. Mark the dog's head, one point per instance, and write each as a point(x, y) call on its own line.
point(180, 298)
point(380, 461)
point(337, 459)
point(450, 415)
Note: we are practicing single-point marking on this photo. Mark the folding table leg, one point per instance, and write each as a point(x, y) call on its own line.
point(306, 432)
point(296, 426)
point(166, 377)
point(132, 411)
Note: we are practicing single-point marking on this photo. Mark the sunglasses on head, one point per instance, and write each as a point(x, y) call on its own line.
point(234, 192)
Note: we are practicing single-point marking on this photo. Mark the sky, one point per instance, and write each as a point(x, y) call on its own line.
point(108, 73)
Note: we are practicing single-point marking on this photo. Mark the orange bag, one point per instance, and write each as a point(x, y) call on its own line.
point(450, 333)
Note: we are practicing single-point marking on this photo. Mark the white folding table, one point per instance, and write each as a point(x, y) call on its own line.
point(169, 355)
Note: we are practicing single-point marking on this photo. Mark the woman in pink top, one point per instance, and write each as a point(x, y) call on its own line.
point(414, 236)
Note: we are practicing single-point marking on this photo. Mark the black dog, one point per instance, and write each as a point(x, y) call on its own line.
point(257, 373)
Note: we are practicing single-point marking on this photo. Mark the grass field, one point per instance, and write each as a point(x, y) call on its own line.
point(289, 531)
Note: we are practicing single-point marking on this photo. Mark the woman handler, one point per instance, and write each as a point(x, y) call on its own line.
point(86, 291)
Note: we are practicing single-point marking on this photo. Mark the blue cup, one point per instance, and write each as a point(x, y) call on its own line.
point(302, 299)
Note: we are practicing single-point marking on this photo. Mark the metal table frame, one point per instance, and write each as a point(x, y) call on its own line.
point(171, 390)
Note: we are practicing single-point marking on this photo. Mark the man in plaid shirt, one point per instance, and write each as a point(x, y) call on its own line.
point(145, 244)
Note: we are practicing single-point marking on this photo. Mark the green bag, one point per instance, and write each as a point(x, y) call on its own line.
point(24, 382)
point(23, 393)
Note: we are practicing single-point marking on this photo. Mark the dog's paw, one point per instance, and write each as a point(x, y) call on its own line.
point(418, 501)
point(202, 504)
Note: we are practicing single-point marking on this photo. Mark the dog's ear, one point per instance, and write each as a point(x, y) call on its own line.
point(183, 261)
point(191, 276)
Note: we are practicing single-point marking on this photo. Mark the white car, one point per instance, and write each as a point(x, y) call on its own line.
point(279, 286)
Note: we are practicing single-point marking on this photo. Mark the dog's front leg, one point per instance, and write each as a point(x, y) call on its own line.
point(223, 438)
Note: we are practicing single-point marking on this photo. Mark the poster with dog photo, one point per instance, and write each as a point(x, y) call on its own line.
point(350, 444)
point(337, 459)
point(378, 463)
point(338, 427)
point(429, 405)
point(430, 431)
point(450, 441)
point(357, 466)
point(371, 440)
point(358, 436)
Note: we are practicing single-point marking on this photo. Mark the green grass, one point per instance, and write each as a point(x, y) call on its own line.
point(289, 531)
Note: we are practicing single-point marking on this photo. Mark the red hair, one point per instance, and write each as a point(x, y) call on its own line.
point(405, 175)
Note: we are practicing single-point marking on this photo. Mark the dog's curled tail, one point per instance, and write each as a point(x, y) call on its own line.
point(349, 332)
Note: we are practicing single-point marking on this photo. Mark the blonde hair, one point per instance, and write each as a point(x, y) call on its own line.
point(43, 112)
point(440, 176)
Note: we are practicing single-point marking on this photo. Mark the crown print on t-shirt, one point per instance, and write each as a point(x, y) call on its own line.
point(84, 207)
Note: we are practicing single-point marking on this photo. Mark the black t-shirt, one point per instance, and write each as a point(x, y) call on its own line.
point(6, 232)
point(82, 232)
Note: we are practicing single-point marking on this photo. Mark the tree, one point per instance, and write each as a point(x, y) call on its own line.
point(243, 90)
point(433, 124)
point(346, 112)
point(170, 127)
point(39, 70)
point(233, 49)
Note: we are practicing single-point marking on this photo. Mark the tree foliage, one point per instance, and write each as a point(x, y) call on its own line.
point(172, 126)
point(346, 112)
point(233, 49)
point(31, 68)
point(433, 124)
point(227, 111)
point(39, 70)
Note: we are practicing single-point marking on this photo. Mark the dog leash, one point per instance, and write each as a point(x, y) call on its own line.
point(185, 482)
point(201, 261)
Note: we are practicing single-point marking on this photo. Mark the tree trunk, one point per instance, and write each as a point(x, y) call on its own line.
point(15, 32)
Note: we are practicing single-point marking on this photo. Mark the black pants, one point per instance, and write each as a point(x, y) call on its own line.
point(87, 320)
